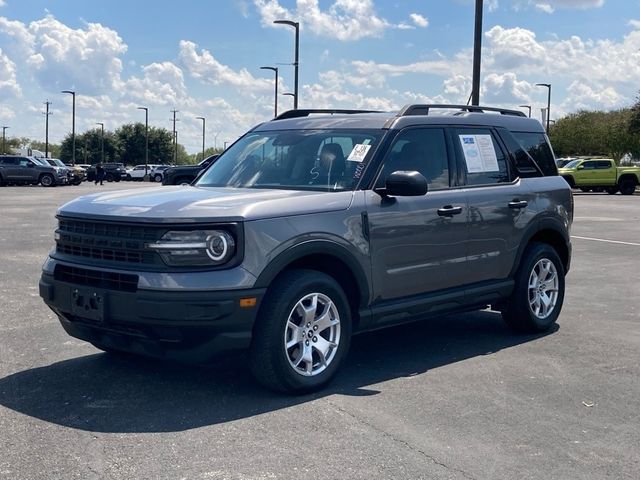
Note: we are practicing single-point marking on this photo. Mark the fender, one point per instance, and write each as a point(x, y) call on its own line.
point(317, 247)
point(544, 223)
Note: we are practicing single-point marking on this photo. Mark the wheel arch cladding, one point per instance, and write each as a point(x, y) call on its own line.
point(326, 257)
point(553, 237)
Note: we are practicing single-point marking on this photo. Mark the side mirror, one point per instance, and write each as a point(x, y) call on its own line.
point(31, 165)
point(403, 183)
point(580, 167)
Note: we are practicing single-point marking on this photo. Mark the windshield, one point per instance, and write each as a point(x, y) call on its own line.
point(572, 164)
point(323, 160)
point(57, 162)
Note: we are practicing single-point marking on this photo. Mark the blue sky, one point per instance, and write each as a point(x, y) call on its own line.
point(203, 57)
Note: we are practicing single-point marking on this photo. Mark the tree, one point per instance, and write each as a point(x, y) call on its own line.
point(131, 141)
point(89, 147)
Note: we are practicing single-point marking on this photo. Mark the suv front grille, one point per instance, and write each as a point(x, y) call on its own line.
point(96, 278)
point(107, 242)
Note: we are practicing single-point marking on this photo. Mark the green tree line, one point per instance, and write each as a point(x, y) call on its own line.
point(612, 134)
point(126, 145)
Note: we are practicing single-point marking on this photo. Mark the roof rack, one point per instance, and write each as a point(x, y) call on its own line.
point(307, 112)
point(424, 109)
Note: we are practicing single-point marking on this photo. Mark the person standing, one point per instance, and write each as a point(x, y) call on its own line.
point(99, 174)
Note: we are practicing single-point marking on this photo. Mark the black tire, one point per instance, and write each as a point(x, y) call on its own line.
point(182, 180)
point(157, 177)
point(612, 190)
point(627, 187)
point(518, 312)
point(109, 177)
point(128, 178)
point(47, 180)
point(585, 189)
point(2, 183)
point(270, 360)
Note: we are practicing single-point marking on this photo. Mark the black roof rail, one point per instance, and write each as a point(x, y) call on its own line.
point(307, 112)
point(424, 109)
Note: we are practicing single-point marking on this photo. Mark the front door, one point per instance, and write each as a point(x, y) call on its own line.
point(418, 243)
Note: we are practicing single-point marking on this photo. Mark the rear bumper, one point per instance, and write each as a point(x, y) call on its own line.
point(186, 325)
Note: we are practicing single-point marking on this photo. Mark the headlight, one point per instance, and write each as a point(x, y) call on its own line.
point(195, 248)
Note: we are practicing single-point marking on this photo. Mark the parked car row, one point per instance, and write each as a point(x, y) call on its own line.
point(48, 172)
point(152, 172)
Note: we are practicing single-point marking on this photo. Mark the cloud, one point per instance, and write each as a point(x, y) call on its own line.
point(9, 87)
point(2, 3)
point(203, 66)
point(544, 7)
point(161, 84)
point(345, 20)
point(582, 95)
point(419, 20)
point(634, 24)
point(62, 57)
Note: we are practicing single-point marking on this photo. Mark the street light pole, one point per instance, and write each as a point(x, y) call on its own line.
point(101, 142)
point(548, 85)
point(3, 139)
point(527, 106)
point(146, 139)
point(46, 129)
point(477, 55)
point(73, 126)
point(296, 62)
point(274, 69)
point(203, 129)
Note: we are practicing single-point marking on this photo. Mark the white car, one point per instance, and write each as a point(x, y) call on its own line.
point(157, 173)
point(138, 172)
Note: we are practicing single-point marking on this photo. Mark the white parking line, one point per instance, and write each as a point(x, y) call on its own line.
point(606, 241)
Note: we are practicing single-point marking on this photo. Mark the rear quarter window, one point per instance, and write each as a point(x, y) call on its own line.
point(536, 145)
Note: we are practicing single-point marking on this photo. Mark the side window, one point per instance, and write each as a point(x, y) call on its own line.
point(423, 150)
point(589, 165)
point(536, 145)
point(481, 157)
point(603, 164)
point(8, 161)
point(24, 162)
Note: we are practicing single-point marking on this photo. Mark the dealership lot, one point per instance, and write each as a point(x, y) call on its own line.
point(458, 397)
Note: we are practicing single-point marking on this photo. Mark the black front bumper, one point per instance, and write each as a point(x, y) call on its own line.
point(189, 325)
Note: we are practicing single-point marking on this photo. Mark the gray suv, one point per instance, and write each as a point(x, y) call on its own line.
point(316, 226)
point(15, 169)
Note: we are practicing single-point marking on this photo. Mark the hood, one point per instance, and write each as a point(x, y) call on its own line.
point(186, 204)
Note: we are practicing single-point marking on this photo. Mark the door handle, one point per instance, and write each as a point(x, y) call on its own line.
point(449, 210)
point(517, 204)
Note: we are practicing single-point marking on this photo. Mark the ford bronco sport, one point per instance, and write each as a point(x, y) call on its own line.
point(315, 226)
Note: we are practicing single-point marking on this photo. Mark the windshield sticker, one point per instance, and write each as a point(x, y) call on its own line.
point(479, 153)
point(358, 153)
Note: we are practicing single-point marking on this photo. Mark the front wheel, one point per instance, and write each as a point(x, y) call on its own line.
point(47, 180)
point(302, 333)
point(157, 178)
point(538, 294)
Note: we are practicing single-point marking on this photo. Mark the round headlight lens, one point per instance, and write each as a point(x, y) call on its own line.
point(218, 245)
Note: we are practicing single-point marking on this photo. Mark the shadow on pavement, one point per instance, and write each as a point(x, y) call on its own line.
point(110, 393)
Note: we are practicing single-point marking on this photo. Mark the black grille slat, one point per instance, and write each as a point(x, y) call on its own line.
point(96, 278)
point(109, 242)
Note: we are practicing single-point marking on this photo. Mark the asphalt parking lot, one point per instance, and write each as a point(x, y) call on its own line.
point(460, 397)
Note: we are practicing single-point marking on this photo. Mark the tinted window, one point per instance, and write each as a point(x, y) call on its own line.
point(422, 150)
point(603, 164)
point(481, 157)
point(589, 165)
point(537, 146)
point(8, 161)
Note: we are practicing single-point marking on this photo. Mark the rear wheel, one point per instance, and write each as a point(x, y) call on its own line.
point(627, 187)
point(538, 295)
point(302, 333)
point(585, 189)
point(183, 181)
point(157, 177)
point(109, 177)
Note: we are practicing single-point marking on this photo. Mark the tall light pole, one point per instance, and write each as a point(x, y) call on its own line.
point(296, 61)
point(204, 121)
point(527, 106)
point(146, 139)
point(548, 85)
point(175, 137)
point(101, 142)
point(215, 141)
point(46, 114)
point(3, 139)
point(73, 126)
point(477, 55)
point(274, 69)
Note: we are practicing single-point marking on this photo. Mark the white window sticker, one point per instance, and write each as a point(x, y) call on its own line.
point(479, 153)
point(358, 153)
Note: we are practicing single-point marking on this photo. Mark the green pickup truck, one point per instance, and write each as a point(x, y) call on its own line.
point(600, 174)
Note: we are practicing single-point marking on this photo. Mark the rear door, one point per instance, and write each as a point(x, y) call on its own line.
point(10, 169)
point(418, 243)
point(500, 204)
point(605, 172)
